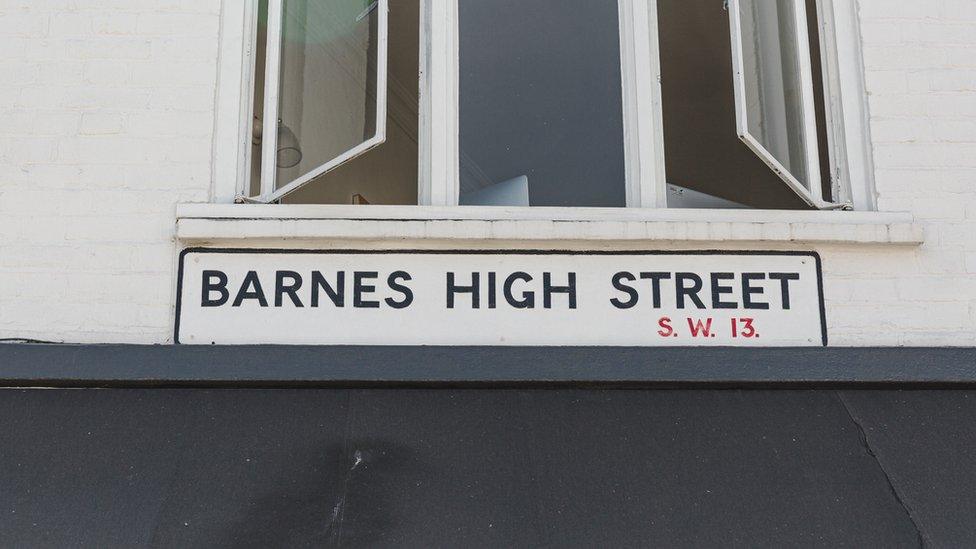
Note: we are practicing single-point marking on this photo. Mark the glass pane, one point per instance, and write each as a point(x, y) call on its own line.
point(257, 129)
point(773, 86)
point(541, 118)
point(387, 174)
point(327, 98)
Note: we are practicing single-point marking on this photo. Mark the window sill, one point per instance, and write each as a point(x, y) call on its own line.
point(234, 223)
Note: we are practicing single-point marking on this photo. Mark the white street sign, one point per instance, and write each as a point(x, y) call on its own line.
point(500, 298)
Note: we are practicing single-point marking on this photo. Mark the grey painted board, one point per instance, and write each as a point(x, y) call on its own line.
point(454, 468)
point(926, 442)
point(88, 365)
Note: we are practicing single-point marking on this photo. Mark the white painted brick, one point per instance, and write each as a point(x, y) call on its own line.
point(195, 99)
point(864, 289)
point(930, 208)
point(971, 262)
point(955, 131)
point(181, 73)
point(940, 261)
point(951, 105)
point(110, 149)
point(914, 56)
point(101, 123)
point(148, 124)
point(13, 122)
point(874, 10)
point(960, 287)
point(60, 73)
point(902, 130)
point(897, 105)
point(177, 24)
point(957, 80)
point(116, 23)
point(106, 97)
point(886, 82)
point(187, 47)
point(894, 317)
point(24, 23)
point(106, 72)
point(880, 32)
point(952, 33)
point(70, 24)
point(960, 57)
point(955, 235)
point(27, 149)
point(108, 48)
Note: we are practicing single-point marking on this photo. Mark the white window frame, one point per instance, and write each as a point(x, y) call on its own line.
point(439, 156)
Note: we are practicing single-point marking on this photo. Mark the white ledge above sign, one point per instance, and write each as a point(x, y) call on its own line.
point(553, 228)
point(523, 298)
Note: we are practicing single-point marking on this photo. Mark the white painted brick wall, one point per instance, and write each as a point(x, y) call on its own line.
point(920, 60)
point(106, 117)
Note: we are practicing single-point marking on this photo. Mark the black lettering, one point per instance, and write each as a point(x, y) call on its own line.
point(474, 289)
point(291, 290)
point(492, 290)
point(618, 284)
point(748, 290)
point(548, 289)
point(718, 290)
point(394, 282)
point(684, 292)
point(359, 289)
point(528, 298)
point(656, 279)
point(338, 296)
point(784, 280)
point(209, 286)
point(251, 281)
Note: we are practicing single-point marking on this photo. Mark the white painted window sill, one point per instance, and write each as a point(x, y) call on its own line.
point(237, 223)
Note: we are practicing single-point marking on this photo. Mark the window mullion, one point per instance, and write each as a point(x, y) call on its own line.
point(643, 116)
point(439, 156)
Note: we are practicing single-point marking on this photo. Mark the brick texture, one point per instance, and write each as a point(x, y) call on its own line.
point(919, 69)
point(106, 117)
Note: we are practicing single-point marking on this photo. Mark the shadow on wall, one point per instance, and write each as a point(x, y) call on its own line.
point(341, 499)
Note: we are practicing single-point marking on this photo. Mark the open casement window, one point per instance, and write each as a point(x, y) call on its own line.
point(324, 98)
point(774, 91)
point(751, 105)
point(554, 103)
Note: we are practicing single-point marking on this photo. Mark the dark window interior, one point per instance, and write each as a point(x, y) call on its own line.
point(540, 101)
point(703, 152)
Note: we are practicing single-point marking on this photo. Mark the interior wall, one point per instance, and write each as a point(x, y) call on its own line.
point(325, 91)
point(388, 173)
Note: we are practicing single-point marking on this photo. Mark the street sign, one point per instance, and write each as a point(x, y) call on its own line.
point(248, 296)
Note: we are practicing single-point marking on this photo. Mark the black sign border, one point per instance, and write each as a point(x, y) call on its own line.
point(304, 251)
